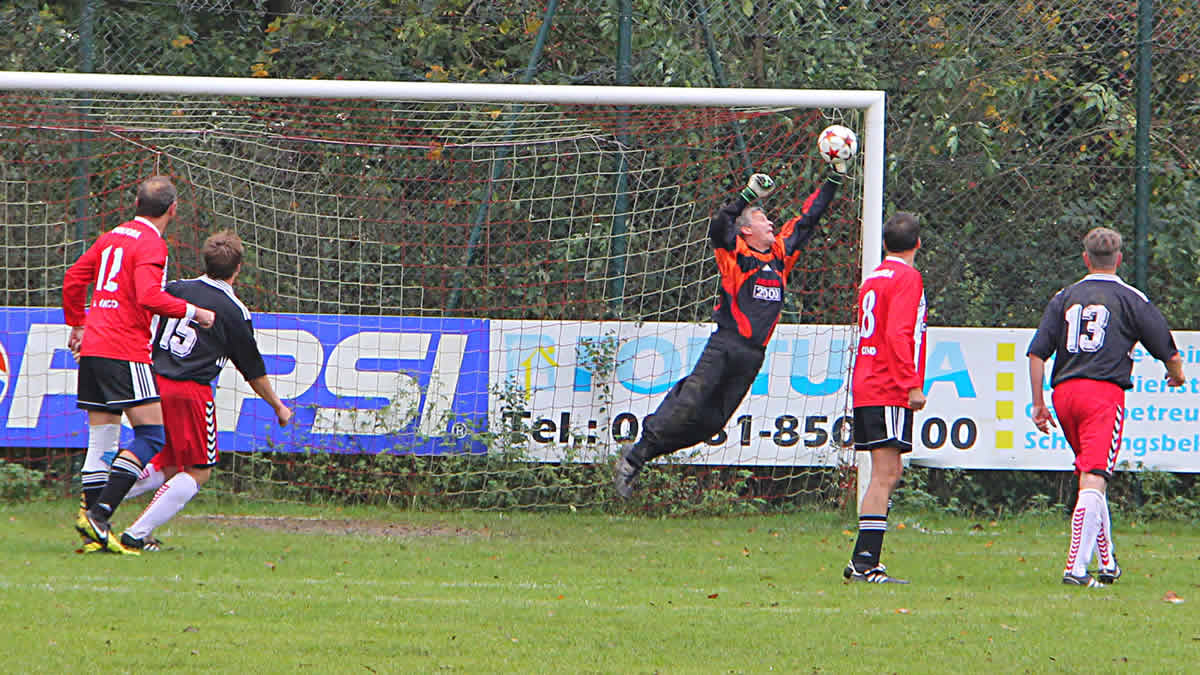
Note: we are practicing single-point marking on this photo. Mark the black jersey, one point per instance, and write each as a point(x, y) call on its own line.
point(753, 282)
point(1093, 325)
point(188, 352)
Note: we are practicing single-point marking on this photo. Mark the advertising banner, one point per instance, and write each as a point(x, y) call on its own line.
point(977, 382)
point(580, 389)
point(575, 390)
point(357, 384)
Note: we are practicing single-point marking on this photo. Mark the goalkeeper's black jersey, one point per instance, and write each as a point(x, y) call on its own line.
point(1091, 326)
point(188, 352)
point(753, 282)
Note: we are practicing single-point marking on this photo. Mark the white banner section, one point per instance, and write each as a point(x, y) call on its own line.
point(977, 381)
point(574, 391)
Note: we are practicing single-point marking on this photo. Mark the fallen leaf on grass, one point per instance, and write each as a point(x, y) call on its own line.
point(713, 596)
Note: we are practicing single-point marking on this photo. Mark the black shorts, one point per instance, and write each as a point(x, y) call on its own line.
point(111, 385)
point(883, 426)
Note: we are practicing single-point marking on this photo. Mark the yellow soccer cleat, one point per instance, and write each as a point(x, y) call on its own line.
point(90, 547)
point(92, 528)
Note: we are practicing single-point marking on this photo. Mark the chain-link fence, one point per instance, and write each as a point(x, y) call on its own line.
point(1012, 125)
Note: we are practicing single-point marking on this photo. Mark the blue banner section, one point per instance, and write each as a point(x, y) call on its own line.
point(357, 384)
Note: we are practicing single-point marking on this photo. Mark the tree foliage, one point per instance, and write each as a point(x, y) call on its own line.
point(1010, 126)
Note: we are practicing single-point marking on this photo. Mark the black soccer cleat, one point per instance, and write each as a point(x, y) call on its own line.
point(147, 543)
point(876, 575)
point(625, 473)
point(1109, 575)
point(1084, 579)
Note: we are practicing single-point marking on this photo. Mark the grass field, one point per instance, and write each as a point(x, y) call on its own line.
point(284, 589)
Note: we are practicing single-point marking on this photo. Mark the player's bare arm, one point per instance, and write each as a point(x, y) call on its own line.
point(916, 399)
point(1174, 366)
point(262, 386)
point(1037, 375)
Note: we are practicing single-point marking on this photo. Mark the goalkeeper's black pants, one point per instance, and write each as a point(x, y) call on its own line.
point(700, 405)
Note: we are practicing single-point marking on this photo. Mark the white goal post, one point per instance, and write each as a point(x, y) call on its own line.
point(870, 104)
point(873, 103)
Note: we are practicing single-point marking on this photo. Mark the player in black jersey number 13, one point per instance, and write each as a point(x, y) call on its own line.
point(754, 260)
point(1090, 328)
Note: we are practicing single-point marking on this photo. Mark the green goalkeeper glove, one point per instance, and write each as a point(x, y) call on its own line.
point(760, 185)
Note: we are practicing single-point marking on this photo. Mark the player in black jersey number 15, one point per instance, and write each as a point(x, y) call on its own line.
point(186, 362)
point(754, 260)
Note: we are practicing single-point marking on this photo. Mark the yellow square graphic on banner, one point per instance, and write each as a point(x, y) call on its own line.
point(1006, 351)
point(1004, 381)
point(1004, 440)
point(1004, 410)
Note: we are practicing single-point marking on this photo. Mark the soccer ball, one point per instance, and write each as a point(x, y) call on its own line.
point(836, 143)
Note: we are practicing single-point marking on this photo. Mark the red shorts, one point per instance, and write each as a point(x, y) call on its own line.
point(1092, 416)
point(190, 420)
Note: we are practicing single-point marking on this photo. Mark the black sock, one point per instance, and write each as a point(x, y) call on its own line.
point(93, 483)
point(870, 541)
point(121, 478)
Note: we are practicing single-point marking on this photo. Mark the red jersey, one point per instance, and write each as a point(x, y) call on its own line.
point(127, 266)
point(890, 359)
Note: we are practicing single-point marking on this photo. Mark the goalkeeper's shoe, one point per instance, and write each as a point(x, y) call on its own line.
point(1084, 579)
point(625, 473)
point(1109, 575)
point(147, 543)
point(93, 527)
point(875, 575)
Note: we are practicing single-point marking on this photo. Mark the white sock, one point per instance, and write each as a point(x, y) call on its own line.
point(169, 500)
point(103, 441)
point(151, 479)
point(1104, 541)
point(1085, 527)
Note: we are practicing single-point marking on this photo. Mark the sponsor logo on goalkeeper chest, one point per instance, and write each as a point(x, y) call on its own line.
point(768, 289)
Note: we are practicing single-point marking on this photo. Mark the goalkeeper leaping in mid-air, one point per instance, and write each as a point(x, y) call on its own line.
point(754, 260)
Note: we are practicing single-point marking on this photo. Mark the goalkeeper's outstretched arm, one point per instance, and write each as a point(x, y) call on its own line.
point(723, 228)
point(796, 232)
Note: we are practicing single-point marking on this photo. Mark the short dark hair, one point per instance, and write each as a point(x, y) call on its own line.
point(222, 253)
point(1102, 246)
point(901, 232)
point(154, 196)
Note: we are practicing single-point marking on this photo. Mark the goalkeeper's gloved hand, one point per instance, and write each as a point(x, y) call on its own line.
point(837, 170)
point(760, 185)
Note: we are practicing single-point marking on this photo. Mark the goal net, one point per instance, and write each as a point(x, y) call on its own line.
point(470, 294)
